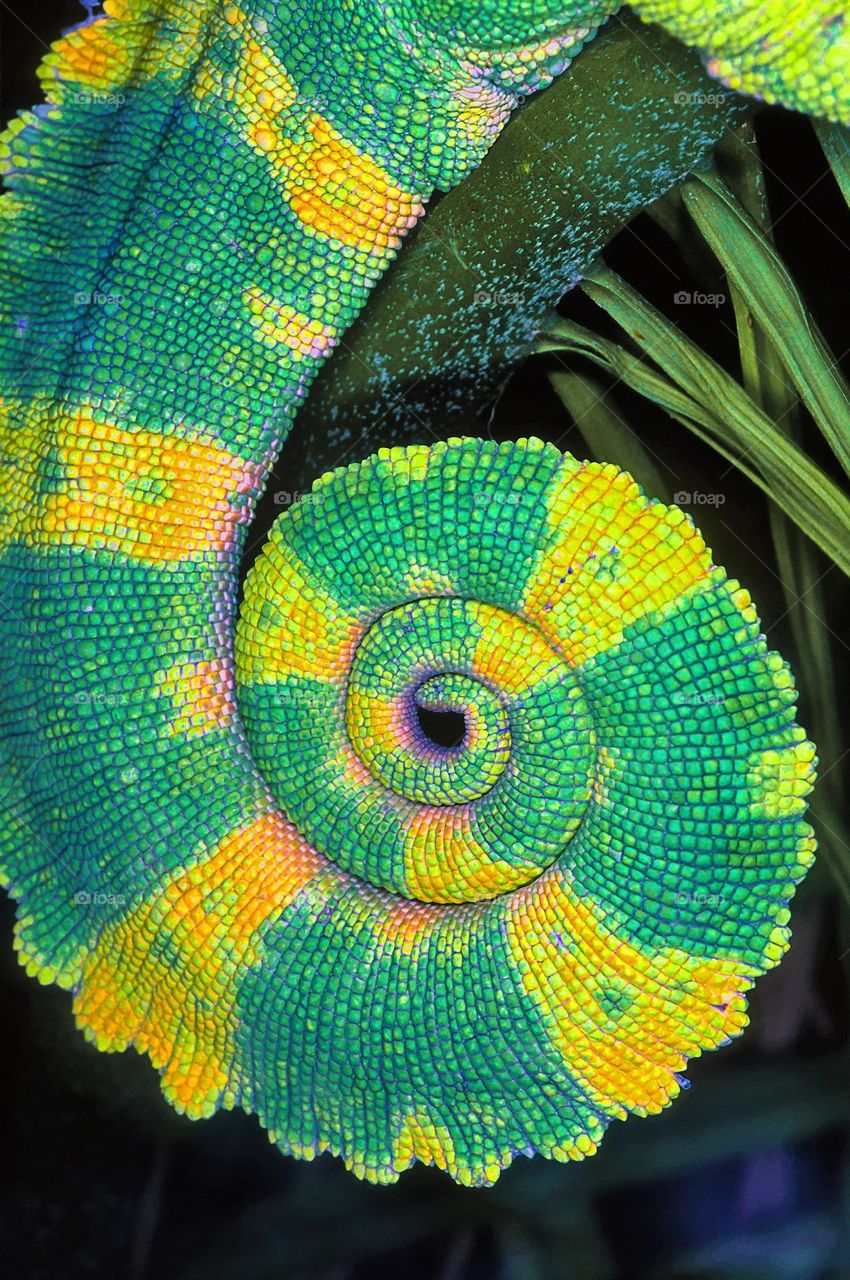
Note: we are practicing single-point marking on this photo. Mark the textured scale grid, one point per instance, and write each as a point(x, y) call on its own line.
point(388, 966)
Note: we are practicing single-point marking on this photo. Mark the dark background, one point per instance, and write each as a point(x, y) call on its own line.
point(745, 1176)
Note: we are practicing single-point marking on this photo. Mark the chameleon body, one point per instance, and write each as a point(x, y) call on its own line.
point(282, 891)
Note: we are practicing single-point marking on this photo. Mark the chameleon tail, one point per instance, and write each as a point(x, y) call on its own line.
point(461, 953)
point(252, 865)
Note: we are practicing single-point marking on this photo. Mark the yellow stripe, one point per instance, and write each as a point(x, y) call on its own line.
point(513, 657)
point(781, 779)
point(277, 324)
point(676, 1004)
point(105, 56)
point(614, 557)
point(290, 626)
point(201, 695)
point(444, 862)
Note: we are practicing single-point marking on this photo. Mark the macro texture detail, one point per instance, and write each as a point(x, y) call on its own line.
point(230, 832)
point(556, 947)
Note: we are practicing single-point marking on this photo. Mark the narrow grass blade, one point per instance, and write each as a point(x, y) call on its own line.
point(706, 399)
point(607, 436)
point(800, 568)
point(835, 140)
point(754, 267)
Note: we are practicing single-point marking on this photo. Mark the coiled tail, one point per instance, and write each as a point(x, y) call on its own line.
point(458, 953)
point(250, 850)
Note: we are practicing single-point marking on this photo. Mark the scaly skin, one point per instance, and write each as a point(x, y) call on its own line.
point(298, 905)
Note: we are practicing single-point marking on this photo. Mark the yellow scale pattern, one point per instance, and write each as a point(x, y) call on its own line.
point(603, 508)
point(680, 1004)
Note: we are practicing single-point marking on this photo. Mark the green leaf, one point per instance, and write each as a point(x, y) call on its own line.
point(801, 569)
point(757, 271)
point(835, 140)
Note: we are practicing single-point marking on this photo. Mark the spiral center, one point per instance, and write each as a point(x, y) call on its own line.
point(435, 744)
point(446, 729)
point(413, 662)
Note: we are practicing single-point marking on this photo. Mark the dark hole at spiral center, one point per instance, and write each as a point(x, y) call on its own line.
point(444, 728)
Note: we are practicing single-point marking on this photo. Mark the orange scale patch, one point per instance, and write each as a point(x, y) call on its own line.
point(119, 48)
point(167, 977)
point(140, 493)
point(201, 695)
point(334, 189)
point(89, 56)
point(406, 925)
point(512, 657)
point(292, 626)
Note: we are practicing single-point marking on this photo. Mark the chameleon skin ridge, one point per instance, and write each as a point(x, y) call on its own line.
point(232, 839)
